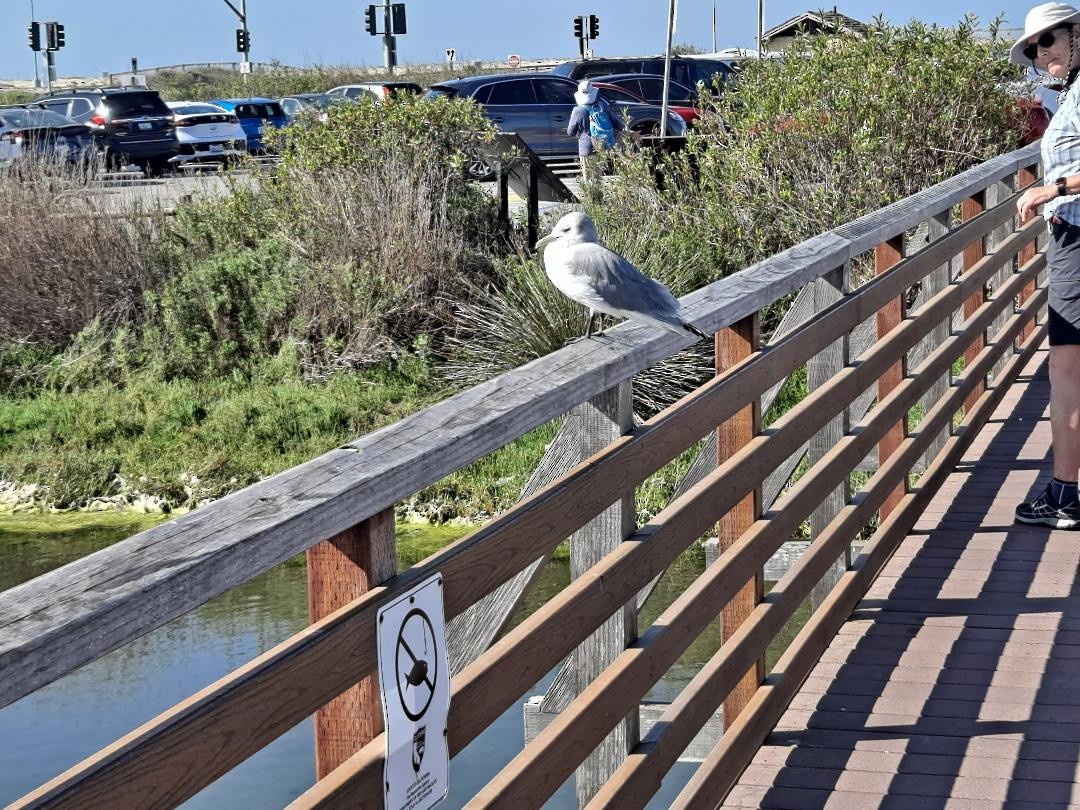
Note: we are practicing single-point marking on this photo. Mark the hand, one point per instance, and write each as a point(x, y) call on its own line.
point(1033, 198)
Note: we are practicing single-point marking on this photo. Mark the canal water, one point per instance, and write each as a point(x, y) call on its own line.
point(57, 726)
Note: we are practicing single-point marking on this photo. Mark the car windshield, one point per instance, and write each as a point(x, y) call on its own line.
point(34, 118)
point(614, 94)
point(322, 102)
point(124, 105)
point(198, 109)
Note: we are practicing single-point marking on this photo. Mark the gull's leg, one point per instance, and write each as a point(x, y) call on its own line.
point(598, 334)
point(588, 324)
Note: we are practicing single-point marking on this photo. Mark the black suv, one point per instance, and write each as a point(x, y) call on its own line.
point(686, 70)
point(130, 124)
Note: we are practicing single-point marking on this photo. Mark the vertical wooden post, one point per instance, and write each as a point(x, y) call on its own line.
point(887, 255)
point(340, 570)
point(733, 345)
point(969, 209)
point(504, 195)
point(533, 223)
point(599, 422)
point(821, 368)
point(936, 281)
point(1025, 177)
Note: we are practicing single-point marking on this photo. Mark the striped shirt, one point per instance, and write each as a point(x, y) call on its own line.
point(1061, 155)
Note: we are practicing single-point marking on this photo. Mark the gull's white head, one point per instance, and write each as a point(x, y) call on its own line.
point(571, 229)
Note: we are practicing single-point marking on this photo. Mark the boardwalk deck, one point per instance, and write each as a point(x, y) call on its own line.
point(956, 682)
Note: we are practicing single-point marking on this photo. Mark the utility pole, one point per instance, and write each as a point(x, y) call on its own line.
point(667, 68)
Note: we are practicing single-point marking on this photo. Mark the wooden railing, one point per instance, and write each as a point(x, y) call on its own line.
point(970, 295)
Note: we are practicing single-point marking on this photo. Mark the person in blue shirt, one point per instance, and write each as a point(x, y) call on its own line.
point(591, 109)
point(1051, 42)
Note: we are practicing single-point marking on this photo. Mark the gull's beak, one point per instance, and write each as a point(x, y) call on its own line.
point(547, 240)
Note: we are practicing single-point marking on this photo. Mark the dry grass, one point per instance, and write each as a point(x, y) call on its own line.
point(63, 261)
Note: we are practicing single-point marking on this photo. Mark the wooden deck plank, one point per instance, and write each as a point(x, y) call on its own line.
point(956, 681)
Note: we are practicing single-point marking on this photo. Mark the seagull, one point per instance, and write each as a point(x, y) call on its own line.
point(603, 281)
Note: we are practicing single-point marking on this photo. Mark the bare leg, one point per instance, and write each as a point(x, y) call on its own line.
point(1065, 410)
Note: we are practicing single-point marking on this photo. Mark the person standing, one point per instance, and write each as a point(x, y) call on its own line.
point(1051, 42)
point(593, 121)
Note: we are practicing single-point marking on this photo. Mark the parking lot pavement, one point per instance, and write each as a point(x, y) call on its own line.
point(142, 195)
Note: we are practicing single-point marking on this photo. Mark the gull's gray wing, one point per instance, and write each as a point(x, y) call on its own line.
point(618, 283)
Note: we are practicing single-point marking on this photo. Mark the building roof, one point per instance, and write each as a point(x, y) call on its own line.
point(816, 22)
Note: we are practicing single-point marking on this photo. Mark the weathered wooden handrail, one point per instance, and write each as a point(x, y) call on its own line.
point(77, 613)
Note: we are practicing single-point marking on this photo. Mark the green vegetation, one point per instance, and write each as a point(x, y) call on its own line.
point(365, 278)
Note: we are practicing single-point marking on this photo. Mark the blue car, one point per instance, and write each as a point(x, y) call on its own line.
point(255, 114)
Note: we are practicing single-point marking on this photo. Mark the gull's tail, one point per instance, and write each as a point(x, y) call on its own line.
point(691, 328)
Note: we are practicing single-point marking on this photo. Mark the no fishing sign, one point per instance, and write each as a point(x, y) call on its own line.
point(414, 678)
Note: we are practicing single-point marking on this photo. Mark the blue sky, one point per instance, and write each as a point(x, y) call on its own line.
point(102, 35)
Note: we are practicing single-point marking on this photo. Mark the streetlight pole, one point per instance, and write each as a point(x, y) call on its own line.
point(667, 68)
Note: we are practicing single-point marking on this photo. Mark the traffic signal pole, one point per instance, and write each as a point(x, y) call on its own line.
point(242, 35)
point(37, 76)
point(389, 51)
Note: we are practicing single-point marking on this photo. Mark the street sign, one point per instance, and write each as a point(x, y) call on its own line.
point(414, 676)
point(513, 60)
point(245, 67)
point(450, 54)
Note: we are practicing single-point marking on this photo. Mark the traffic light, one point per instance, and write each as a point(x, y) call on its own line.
point(54, 36)
point(243, 40)
point(579, 27)
point(594, 26)
point(397, 18)
point(34, 35)
point(369, 20)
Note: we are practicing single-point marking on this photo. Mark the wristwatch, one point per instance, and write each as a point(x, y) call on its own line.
point(1060, 183)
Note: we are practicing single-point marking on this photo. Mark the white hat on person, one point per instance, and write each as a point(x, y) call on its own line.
point(1045, 17)
point(586, 92)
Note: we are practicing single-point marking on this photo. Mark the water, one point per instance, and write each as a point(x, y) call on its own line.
point(59, 725)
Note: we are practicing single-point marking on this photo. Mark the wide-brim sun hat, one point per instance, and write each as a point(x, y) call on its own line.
point(586, 93)
point(1042, 18)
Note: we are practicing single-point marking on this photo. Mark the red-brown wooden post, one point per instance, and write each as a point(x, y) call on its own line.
point(1025, 177)
point(973, 253)
point(887, 255)
point(340, 570)
point(733, 345)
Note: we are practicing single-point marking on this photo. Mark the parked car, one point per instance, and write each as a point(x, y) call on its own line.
point(650, 90)
point(207, 133)
point(255, 114)
point(537, 107)
point(131, 125)
point(32, 132)
point(377, 91)
point(315, 103)
point(686, 70)
point(638, 114)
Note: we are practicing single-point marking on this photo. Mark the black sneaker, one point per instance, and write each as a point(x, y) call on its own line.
point(1045, 511)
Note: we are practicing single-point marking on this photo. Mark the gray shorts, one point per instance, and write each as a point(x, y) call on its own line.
point(1063, 258)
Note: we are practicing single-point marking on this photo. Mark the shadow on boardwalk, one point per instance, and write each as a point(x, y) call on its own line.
point(956, 682)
